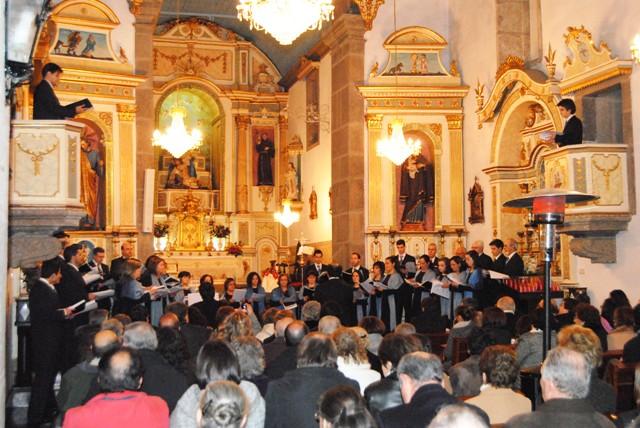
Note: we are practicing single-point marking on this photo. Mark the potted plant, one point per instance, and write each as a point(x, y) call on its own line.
point(235, 249)
point(219, 234)
point(160, 236)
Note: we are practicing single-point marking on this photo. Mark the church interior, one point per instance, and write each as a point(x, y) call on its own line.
point(227, 146)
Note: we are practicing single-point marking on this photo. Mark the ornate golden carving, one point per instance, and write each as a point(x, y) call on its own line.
point(368, 11)
point(193, 28)
point(243, 122)
point(188, 218)
point(107, 118)
point(295, 146)
point(453, 66)
point(454, 121)
point(374, 70)
point(479, 90)
point(510, 62)
point(586, 55)
point(549, 60)
point(191, 62)
point(126, 112)
point(37, 154)
point(265, 195)
point(243, 198)
point(374, 121)
point(579, 175)
point(436, 128)
point(135, 6)
point(607, 181)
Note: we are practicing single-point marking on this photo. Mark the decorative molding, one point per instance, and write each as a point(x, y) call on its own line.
point(511, 62)
point(374, 121)
point(193, 28)
point(436, 128)
point(243, 121)
point(135, 6)
point(368, 11)
point(454, 121)
point(126, 112)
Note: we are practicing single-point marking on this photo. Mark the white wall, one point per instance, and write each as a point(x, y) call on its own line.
point(316, 163)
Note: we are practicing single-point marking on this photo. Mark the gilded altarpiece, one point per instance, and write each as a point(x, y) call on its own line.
point(415, 87)
point(230, 90)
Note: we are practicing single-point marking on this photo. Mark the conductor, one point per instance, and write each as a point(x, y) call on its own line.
point(45, 103)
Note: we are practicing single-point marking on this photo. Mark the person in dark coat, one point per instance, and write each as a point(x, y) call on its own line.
point(572, 131)
point(286, 361)
point(513, 266)
point(45, 103)
point(209, 305)
point(291, 401)
point(421, 376)
point(565, 380)
point(496, 246)
point(195, 335)
point(47, 326)
point(118, 263)
point(337, 290)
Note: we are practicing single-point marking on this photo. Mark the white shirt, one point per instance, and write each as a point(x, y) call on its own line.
point(360, 372)
point(48, 284)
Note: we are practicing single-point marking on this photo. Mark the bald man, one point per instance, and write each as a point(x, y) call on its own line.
point(77, 381)
point(273, 349)
point(169, 320)
point(117, 264)
point(295, 332)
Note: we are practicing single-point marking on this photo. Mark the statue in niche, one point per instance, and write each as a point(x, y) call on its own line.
point(266, 152)
point(92, 176)
point(182, 174)
point(476, 200)
point(292, 182)
point(416, 190)
point(313, 205)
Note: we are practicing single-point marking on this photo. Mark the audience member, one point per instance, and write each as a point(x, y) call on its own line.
point(601, 395)
point(459, 415)
point(223, 404)
point(311, 314)
point(221, 314)
point(385, 393)
point(494, 323)
point(466, 378)
point(422, 390)
point(566, 312)
point(85, 333)
point(235, 325)
point(124, 319)
point(363, 336)
point(120, 404)
point(500, 373)
point(375, 329)
point(508, 306)
point(623, 323)
point(169, 320)
point(250, 354)
point(273, 349)
point(215, 362)
point(195, 335)
point(114, 325)
point(209, 305)
point(352, 358)
point(328, 324)
point(343, 407)
point(405, 329)
point(530, 337)
point(292, 400)
point(589, 317)
point(566, 375)
point(173, 348)
point(461, 328)
point(286, 360)
point(268, 331)
point(430, 320)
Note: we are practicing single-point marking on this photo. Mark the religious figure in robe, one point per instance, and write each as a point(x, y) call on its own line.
point(416, 190)
point(266, 152)
point(313, 205)
point(91, 171)
point(292, 182)
point(182, 174)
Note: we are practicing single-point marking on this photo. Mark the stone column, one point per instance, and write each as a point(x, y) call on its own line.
point(146, 18)
point(375, 191)
point(456, 186)
point(513, 29)
point(242, 186)
point(283, 159)
point(126, 187)
point(346, 41)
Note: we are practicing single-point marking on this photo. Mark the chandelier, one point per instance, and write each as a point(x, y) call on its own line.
point(176, 139)
point(395, 147)
point(635, 48)
point(286, 217)
point(285, 20)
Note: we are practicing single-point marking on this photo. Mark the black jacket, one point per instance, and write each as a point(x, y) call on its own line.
point(485, 262)
point(47, 106)
point(571, 134)
point(195, 336)
point(631, 351)
point(514, 266)
point(47, 320)
point(286, 361)
point(403, 264)
point(561, 413)
point(117, 266)
point(418, 413)
point(291, 401)
point(383, 394)
point(72, 288)
point(498, 263)
point(208, 308)
point(337, 290)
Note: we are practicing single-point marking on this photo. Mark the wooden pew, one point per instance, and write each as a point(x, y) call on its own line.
point(621, 376)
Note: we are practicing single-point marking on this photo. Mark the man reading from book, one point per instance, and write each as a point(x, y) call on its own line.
point(45, 103)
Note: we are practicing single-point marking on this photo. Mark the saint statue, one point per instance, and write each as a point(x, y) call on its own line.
point(476, 198)
point(182, 175)
point(416, 190)
point(313, 205)
point(91, 171)
point(266, 152)
point(292, 182)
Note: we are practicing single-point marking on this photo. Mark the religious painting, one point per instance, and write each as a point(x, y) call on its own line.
point(92, 176)
point(200, 168)
point(416, 194)
point(264, 151)
point(313, 109)
point(83, 44)
point(476, 202)
point(414, 64)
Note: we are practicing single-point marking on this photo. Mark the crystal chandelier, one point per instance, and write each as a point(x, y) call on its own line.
point(395, 147)
point(286, 217)
point(285, 20)
point(176, 139)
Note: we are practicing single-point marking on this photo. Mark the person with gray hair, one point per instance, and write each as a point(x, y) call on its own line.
point(250, 355)
point(311, 314)
point(566, 375)
point(291, 400)
point(513, 266)
point(274, 348)
point(160, 378)
point(223, 404)
point(421, 385)
point(328, 324)
point(460, 415)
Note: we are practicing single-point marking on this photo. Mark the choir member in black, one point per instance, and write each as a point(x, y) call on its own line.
point(375, 299)
point(48, 316)
point(228, 298)
point(97, 265)
point(513, 266)
point(448, 294)
point(309, 287)
point(432, 250)
point(255, 294)
point(64, 239)
point(357, 267)
point(572, 132)
point(484, 261)
point(317, 266)
point(421, 283)
point(45, 103)
point(360, 297)
point(497, 246)
point(335, 289)
point(117, 264)
point(391, 305)
point(407, 268)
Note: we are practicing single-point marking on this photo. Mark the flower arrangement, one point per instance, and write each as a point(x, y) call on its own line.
point(219, 230)
point(160, 230)
point(235, 249)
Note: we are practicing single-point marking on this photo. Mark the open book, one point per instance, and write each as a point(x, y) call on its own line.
point(370, 285)
point(497, 275)
point(437, 287)
point(99, 295)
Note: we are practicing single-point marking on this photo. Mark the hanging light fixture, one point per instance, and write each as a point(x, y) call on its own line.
point(285, 20)
point(396, 147)
point(635, 48)
point(287, 216)
point(176, 139)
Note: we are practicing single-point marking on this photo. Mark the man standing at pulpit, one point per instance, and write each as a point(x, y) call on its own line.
point(572, 132)
point(45, 103)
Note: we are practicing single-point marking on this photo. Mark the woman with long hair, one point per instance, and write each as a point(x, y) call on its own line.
point(285, 294)
point(255, 294)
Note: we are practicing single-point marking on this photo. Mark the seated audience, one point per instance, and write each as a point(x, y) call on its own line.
point(292, 400)
point(84, 334)
point(500, 373)
point(169, 320)
point(617, 299)
point(328, 324)
point(77, 381)
point(268, 331)
point(273, 349)
point(311, 314)
point(352, 358)
point(120, 404)
point(216, 361)
point(250, 354)
point(589, 317)
point(385, 393)
point(630, 418)
point(508, 306)
point(529, 345)
point(566, 312)
point(422, 390)
point(459, 415)
point(173, 348)
point(209, 305)
point(494, 323)
point(405, 329)
point(601, 395)
point(223, 404)
point(631, 350)
point(114, 325)
point(195, 335)
point(466, 378)
point(286, 360)
point(236, 325)
point(375, 329)
point(623, 323)
point(430, 319)
point(343, 407)
point(565, 380)
point(461, 328)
